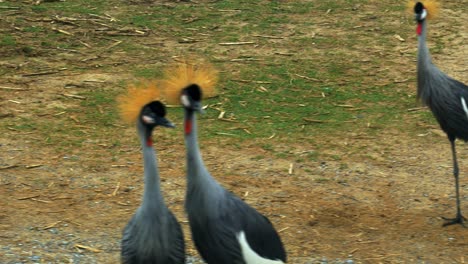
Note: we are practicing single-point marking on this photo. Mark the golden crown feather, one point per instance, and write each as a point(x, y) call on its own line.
point(183, 74)
point(137, 96)
point(432, 7)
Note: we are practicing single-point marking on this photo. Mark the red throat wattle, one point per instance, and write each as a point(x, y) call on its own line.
point(149, 142)
point(188, 127)
point(419, 29)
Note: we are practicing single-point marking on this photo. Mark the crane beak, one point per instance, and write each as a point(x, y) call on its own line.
point(191, 104)
point(166, 123)
point(162, 121)
point(157, 121)
point(197, 106)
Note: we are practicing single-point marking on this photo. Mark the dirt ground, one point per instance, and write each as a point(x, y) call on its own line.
point(380, 202)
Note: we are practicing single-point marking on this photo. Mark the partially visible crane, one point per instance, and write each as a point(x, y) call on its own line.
point(153, 234)
point(446, 97)
point(225, 229)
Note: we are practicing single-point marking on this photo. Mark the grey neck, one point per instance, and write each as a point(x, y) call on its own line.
point(198, 177)
point(429, 76)
point(424, 57)
point(152, 197)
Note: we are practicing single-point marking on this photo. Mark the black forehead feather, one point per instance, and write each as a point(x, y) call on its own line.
point(418, 8)
point(157, 107)
point(194, 92)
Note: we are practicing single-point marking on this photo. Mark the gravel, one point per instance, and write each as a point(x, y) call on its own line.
point(55, 245)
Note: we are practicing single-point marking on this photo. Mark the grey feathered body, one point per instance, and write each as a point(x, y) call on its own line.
point(153, 235)
point(441, 93)
point(215, 235)
point(217, 216)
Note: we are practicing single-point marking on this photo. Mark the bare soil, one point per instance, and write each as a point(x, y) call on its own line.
point(372, 196)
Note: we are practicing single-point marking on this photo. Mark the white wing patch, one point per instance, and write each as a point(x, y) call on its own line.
point(250, 256)
point(464, 106)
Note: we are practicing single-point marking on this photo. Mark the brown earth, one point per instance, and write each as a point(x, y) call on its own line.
point(373, 197)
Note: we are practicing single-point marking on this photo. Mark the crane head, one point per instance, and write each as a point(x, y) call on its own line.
point(420, 13)
point(189, 80)
point(154, 114)
point(424, 9)
point(191, 98)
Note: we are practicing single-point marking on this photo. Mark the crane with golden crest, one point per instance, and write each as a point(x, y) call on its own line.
point(153, 235)
point(224, 228)
point(446, 97)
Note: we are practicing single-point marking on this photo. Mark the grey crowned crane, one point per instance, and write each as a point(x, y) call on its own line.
point(153, 235)
point(225, 229)
point(447, 98)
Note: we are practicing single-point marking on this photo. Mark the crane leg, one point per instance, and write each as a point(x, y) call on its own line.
point(459, 219)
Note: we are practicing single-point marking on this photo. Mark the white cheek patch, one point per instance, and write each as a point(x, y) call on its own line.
point(185, 101)
point(423, 14)
point(465, 108)
point(147, 119)
point(249, 255)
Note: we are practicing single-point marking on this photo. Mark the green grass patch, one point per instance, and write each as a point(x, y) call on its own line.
point(72, 8)
point(7, 41)
point(325, 42)
point(100, 108)
point(148, 73)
